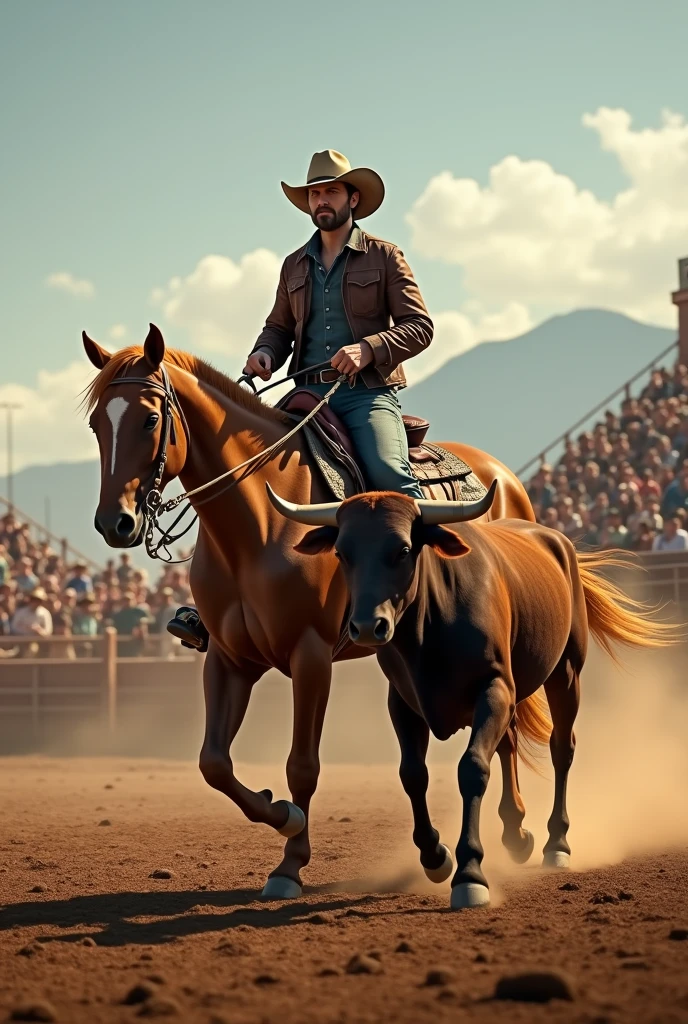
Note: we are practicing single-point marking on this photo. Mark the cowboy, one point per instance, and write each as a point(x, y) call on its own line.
point(348, 299)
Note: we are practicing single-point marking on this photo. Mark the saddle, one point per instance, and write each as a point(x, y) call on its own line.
point(440, 473)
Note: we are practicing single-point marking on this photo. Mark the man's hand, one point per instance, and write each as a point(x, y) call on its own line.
point(352, 358)
point(259, 364)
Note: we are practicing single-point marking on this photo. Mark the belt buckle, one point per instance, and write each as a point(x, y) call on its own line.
point(331, 370)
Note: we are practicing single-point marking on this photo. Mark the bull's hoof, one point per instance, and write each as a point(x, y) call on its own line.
point(467, 895)
point(556, 860)
point(520, 856)
point(442, 873)
point(279, 887)
point(295, 823)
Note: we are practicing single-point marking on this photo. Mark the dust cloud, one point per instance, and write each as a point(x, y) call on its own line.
point(626, 788)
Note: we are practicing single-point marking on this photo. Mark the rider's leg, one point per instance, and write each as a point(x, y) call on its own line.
point(373, 419)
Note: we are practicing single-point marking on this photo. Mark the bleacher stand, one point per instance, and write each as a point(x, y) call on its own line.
point(624, 484)
point(42, 596)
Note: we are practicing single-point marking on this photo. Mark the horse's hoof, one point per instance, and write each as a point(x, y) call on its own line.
point(520, 856)
point(295, 823)
point(442, 873)
point(469, 894)
point(279, 887)
point(557, 860)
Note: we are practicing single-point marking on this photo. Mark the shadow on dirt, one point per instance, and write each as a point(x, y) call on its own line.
point(115, 919)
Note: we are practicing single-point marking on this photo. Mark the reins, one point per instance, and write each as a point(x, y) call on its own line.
point(152, 504)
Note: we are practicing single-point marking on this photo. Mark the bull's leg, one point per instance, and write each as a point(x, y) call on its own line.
point(518, 841)
point(492, 713)
point(227, 692)
point(311, 668)
point(414, 735)
point(563, 696)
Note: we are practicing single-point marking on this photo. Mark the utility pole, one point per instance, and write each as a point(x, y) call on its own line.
point(9, 408)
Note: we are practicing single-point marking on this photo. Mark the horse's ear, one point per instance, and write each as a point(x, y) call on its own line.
point(444, 542)
point(98, 355)
point(154, 347)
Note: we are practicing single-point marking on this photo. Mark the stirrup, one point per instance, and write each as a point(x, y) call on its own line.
point(187, 627)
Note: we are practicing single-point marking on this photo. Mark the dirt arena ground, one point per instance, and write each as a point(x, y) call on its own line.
point(82, 923)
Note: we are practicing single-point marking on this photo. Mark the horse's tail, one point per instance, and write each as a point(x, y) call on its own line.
point(534, 727)
point(614, 617)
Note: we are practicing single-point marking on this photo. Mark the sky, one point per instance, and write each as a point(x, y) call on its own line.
point(535, 157)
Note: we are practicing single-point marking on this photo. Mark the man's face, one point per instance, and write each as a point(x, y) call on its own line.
point(330, 205)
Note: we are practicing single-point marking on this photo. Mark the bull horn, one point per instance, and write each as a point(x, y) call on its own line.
point(436, 513)
point(309, 515)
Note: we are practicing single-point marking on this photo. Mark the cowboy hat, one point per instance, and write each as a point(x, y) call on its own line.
point(333, 166)
point(38, 594)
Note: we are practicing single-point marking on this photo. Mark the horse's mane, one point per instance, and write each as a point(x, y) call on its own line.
point(120, 362)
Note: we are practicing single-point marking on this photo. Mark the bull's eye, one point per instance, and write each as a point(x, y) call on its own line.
point(151, 421)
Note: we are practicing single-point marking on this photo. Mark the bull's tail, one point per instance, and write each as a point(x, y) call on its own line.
point(614, 617)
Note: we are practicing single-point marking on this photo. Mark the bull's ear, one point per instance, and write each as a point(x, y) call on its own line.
point(154, 347)
point(444, 542)
point(98, 355)
point(317, 541)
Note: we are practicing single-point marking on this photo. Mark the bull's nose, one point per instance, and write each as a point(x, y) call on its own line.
point(372, 633)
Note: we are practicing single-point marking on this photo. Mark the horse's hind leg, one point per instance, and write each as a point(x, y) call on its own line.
point(518, 841)
point(413, 735)
point(563, 696)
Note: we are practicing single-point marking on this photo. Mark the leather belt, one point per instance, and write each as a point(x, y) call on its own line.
point(322, 377)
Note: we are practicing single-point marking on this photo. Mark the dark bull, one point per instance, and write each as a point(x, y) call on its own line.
point(467, 629)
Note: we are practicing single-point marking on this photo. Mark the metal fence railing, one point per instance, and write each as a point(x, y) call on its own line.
point(624, 389)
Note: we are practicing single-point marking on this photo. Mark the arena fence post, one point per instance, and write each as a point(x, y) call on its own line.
point(110, 675)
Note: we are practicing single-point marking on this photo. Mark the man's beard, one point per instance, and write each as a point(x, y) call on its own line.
point(333, 220)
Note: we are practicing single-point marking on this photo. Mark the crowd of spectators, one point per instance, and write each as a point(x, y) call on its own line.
point(624, 484)
point(41, 596)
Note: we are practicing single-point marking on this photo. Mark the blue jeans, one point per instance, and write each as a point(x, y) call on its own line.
point(373, 418)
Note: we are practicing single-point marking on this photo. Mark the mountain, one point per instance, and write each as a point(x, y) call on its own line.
point(510, 398)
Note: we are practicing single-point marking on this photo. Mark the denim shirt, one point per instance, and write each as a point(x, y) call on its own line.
point(327, 328)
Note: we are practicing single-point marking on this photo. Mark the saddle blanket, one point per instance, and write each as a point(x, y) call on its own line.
point(441, 474)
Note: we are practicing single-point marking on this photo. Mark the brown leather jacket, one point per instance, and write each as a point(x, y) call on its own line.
point(382, 302)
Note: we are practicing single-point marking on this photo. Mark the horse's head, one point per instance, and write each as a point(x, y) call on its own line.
point(378, 538)
point(134, 417)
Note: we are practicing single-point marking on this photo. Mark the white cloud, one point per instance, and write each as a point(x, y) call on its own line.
point(118, 331)
point(48, 426)
point(533, 237)
point(222, 304)
point(66, 282)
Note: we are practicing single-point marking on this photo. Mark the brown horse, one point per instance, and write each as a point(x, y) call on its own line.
point(469, 626)
point(264, 606)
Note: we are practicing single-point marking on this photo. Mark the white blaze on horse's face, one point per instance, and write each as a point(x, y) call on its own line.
point(115, 410)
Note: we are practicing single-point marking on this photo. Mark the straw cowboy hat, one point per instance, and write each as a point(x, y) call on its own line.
point(38, 594)
point(333, 166)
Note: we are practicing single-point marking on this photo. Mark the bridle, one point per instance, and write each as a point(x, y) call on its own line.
point(150, 503)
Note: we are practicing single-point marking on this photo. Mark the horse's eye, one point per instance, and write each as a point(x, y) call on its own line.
point(152, 421)
point(404, 552)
